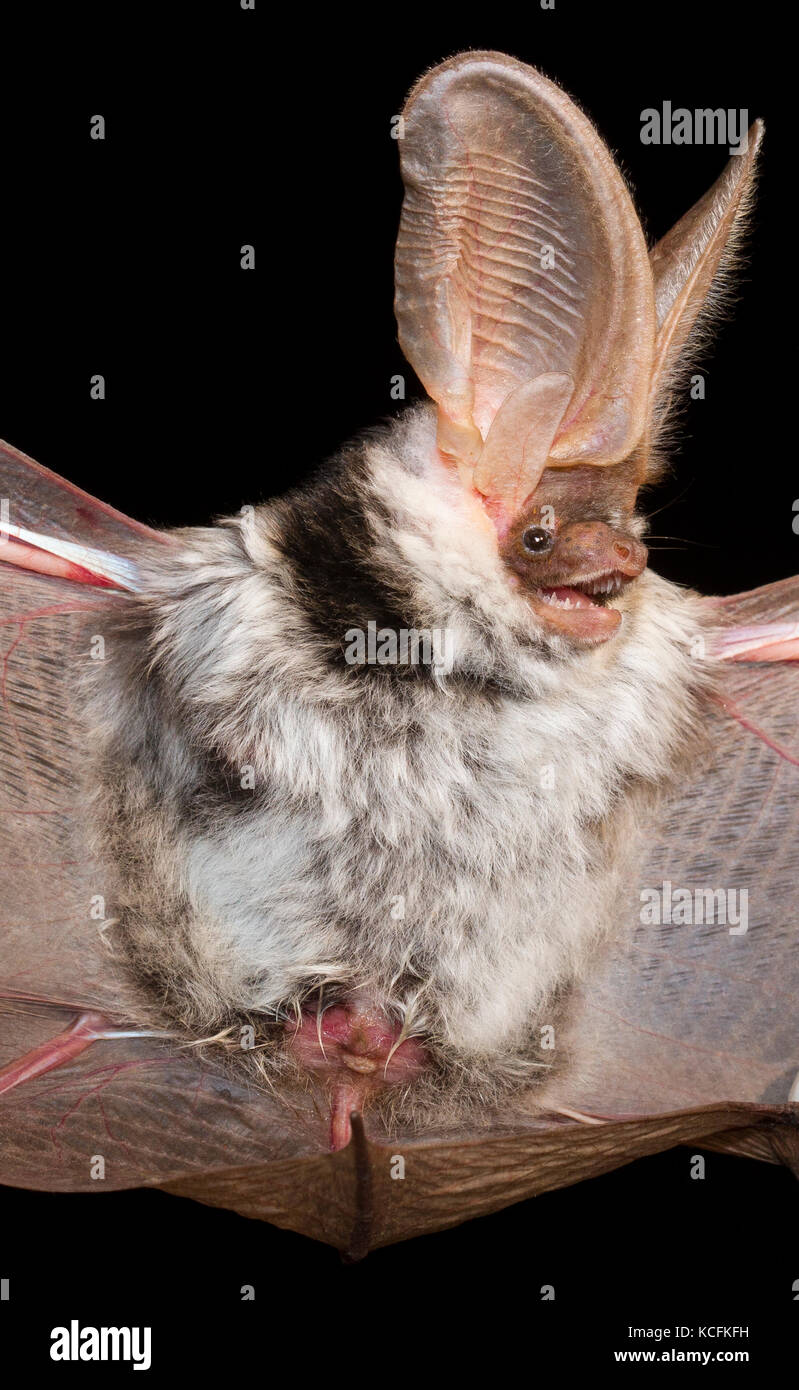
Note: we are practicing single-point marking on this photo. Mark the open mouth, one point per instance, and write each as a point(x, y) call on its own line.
point(586, 593)
point(582, 609)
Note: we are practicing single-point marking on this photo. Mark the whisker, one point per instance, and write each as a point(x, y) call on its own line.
point(672, 501)
point(683, 540)
point(319, 1016)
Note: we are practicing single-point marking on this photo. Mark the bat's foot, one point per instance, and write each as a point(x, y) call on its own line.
point(359, 1052)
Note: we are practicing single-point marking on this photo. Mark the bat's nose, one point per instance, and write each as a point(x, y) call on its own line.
point(594, 546)
point(631, 555)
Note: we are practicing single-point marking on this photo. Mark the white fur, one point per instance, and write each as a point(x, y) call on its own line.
point(415, 848)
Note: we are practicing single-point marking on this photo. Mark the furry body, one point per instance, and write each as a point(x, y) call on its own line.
point(282, 822)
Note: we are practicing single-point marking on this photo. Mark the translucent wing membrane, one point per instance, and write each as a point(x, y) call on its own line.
point(53, 527)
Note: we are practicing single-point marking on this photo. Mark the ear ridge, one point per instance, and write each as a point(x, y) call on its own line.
point(520, 256)
point(691, 264)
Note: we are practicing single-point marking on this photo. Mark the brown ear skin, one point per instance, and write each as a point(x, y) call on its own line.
point(689, 262)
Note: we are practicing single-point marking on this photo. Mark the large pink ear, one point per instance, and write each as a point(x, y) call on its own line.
point(688, 264)
point(524, 295)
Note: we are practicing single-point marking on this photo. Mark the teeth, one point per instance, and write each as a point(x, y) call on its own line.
point(604, 584)
point(609, 584)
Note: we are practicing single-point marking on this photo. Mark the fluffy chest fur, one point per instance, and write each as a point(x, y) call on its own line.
point(285, 823)
point(456, 860)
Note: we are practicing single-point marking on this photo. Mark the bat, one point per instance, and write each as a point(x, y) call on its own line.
point(409, 825)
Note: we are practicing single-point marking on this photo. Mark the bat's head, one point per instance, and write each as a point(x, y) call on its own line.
point(573, 550)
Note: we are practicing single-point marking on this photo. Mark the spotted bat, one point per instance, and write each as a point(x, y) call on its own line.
point(334, 814)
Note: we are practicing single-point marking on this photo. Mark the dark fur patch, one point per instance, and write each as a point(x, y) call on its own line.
point(326, 537)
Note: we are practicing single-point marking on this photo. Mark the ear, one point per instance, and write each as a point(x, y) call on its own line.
point(524, 294)
point(689, 263)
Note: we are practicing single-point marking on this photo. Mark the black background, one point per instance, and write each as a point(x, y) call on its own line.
point(227, 127)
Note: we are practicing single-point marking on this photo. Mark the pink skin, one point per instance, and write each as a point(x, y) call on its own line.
point(353, 1045)
point(86, 1029)
point(759, 642)
point(30, 557)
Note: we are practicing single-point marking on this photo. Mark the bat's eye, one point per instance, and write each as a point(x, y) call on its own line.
point(537, 541)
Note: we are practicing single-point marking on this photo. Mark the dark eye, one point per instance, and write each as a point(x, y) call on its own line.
point(537, 540)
